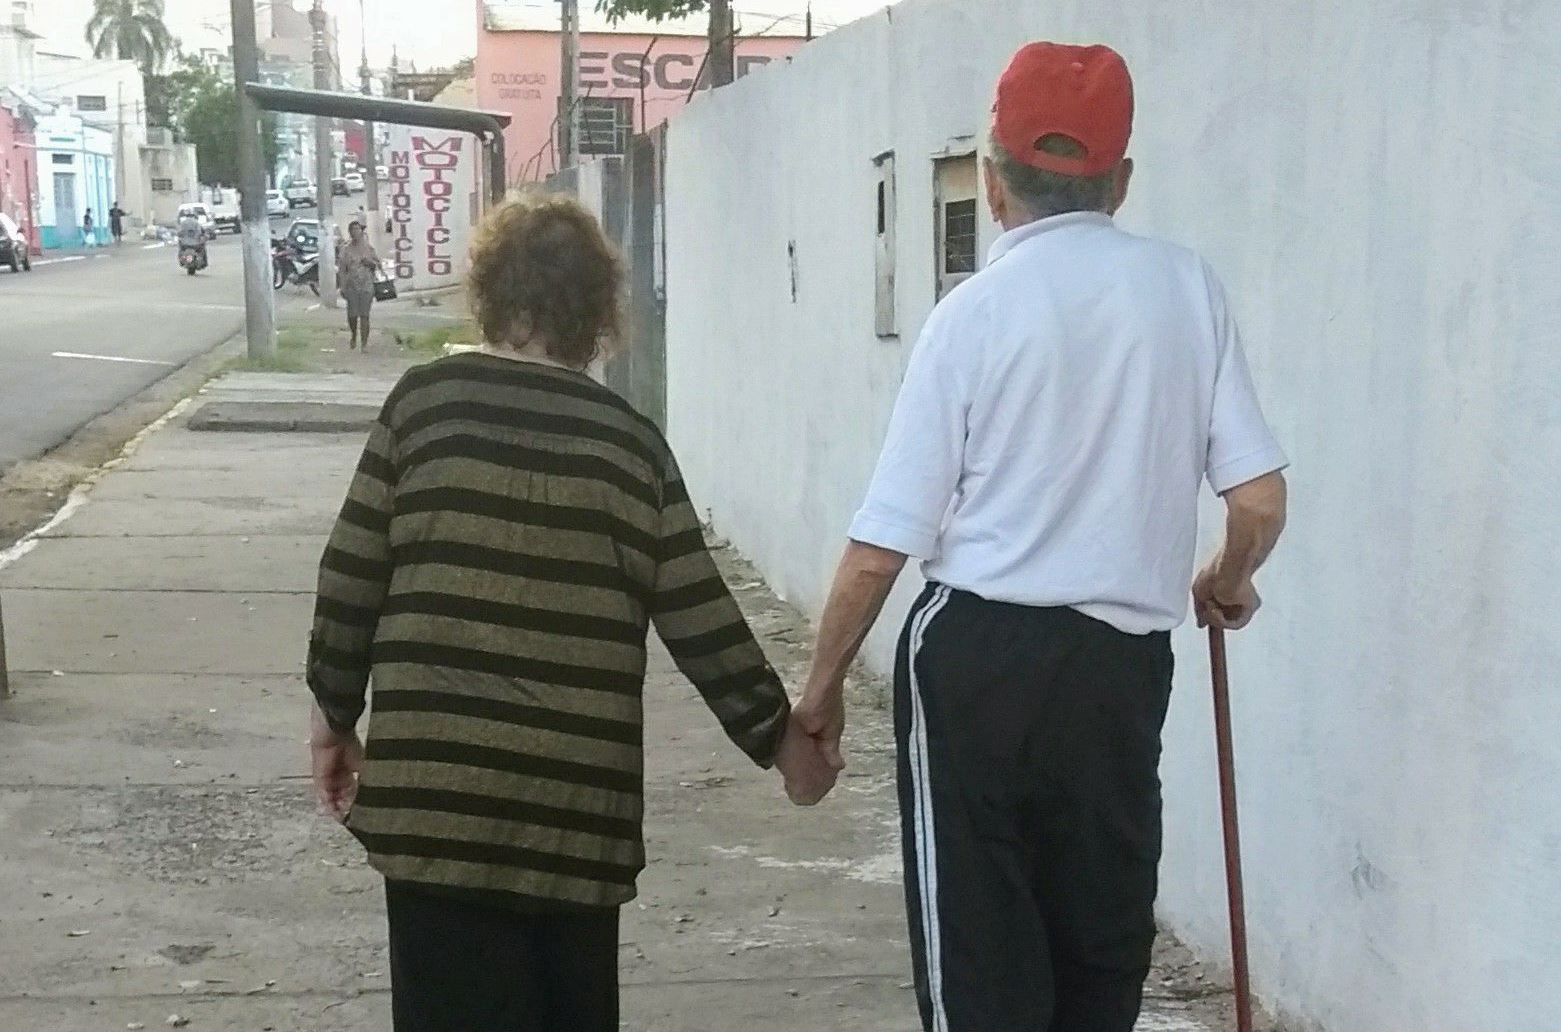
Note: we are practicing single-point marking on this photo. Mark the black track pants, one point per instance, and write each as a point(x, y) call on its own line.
point(1029, 746)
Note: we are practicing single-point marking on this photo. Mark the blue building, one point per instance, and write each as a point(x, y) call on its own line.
point(75, 175)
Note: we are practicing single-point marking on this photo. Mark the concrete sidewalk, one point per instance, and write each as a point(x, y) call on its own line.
point(159, 853)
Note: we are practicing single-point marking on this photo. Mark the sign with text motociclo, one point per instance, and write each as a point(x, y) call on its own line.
point(432, 204)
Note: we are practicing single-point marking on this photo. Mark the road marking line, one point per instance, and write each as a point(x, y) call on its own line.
point(312, 307)
point(153, 247)
point(112, 358)
point(57, 261)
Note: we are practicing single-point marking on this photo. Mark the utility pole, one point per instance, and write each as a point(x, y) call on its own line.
point(722, 47)
point(322, 159)
point(810, 23)
point(259, 298)
point(569, 79)
point(119, 146)
point(370, 152)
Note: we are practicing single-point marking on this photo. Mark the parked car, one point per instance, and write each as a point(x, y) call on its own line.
point(276, 204)
point(300, 194)
point(354, 181)
point(224, 211)
point(202, 212)
point(13, 246)
point(304, 235)
point(339, 187)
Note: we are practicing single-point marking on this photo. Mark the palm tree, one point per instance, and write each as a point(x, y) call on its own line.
point(131, 30)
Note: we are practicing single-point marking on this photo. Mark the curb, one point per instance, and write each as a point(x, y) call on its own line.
point(34, 490)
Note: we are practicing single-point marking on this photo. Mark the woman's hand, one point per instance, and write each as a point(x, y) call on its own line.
point(335, 761)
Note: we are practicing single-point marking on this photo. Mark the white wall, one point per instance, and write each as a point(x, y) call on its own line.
point(176, 163)
point(1377, 184)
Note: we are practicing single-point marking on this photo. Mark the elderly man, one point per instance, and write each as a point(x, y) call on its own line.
point(1044, 461)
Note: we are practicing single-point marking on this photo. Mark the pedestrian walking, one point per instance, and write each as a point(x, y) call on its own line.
point(357, 263)
point(1044, 460)
point(88, 238)
point(512, 530)
point(116, 222)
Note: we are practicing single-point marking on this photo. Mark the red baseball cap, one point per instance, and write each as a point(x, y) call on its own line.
point(1084, 93)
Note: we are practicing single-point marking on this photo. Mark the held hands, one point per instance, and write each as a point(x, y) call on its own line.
point(1228, 607)
point(809, 756)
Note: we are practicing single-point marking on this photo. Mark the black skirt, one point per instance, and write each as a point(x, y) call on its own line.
point(463, 964)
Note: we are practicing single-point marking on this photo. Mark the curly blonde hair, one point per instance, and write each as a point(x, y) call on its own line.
point(542, 271)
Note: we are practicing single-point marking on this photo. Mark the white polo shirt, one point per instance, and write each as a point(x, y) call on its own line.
point(1058, 416)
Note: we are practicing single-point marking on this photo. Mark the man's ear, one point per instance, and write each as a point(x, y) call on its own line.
point(1119, 183)
point(996, 191)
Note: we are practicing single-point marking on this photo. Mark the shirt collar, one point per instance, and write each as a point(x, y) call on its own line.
point(1030, 230)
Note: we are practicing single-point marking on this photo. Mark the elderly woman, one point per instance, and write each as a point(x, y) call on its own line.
point(512, 530)
point(356, 264)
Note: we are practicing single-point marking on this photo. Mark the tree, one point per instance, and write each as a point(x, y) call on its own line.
point(656, 10)
point(720, 52)
point(131, 30)
point(201, 107)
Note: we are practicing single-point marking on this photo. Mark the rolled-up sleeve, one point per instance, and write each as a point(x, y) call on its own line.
point(1241, 445)
point(923, 451)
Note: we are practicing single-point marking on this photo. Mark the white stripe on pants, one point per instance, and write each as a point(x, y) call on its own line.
point(926, 843)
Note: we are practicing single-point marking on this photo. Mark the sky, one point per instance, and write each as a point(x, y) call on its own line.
point(427, 32)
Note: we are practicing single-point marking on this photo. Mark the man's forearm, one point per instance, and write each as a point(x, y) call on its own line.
point(1254, 519)
point(862, 583)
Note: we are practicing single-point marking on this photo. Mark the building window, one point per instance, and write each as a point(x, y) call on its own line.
point(955, 203)
point(959, 237)
point(606, 123)
point(162, 185)
point(91, 102)
point(64, 159)
point(885, 323)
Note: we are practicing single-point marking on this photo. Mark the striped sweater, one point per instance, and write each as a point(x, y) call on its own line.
point(511, 532)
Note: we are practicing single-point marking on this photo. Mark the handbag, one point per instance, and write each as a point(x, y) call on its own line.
point(384, 286)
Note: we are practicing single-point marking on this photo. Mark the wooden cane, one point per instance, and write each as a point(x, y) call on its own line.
point(1233, 887)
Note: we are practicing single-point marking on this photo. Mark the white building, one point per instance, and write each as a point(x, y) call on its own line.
point(17, 42)
point(169, 177)
point(75, 175)
point(110, 96)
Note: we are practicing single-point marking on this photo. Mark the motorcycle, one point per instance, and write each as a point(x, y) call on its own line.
point(192, 258)
point(291, 265)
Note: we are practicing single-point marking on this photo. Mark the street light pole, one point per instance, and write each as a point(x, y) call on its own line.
point(322, 160)
point(370, 152)
point(259, 297)
point(569, 98)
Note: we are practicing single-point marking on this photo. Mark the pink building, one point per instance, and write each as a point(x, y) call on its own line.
point(632, 76)
point(18, 167)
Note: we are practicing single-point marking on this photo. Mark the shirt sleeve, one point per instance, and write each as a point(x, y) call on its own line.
point(705, 631)
point(924, 449)
point(354, 579)
point(1241, 446)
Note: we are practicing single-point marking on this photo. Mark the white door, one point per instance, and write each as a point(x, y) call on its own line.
point(65, 220)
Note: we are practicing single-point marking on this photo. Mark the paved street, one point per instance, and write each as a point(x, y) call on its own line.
point(130, 306)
